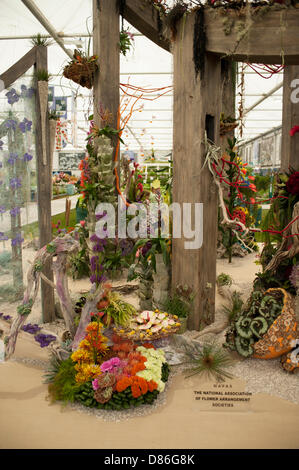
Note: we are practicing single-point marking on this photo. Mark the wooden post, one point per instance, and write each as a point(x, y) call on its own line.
point(196, 109)
point(106, 47)
point(228, 98)
point(44, 186)
point(290, 118)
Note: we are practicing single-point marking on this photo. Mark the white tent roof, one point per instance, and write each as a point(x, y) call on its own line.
point(146, 65)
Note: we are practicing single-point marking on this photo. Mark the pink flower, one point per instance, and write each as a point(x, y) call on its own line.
point(112, 364)
point(95, 384)
point(82, 223)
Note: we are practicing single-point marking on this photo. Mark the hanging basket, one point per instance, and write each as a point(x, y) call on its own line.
point(81, 73)
point(226, 127)
point(278, 339)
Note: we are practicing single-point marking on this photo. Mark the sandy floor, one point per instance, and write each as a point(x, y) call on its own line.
point(29, 421)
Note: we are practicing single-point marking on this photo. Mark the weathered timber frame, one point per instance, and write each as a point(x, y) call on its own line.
point(37, 57)
point(198, 100)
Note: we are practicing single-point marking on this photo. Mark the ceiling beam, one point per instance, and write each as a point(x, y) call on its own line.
point(45, 23)
point(145, 17)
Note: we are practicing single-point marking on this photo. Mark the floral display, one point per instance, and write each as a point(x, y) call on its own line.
point(118, 377)
point(150, 325)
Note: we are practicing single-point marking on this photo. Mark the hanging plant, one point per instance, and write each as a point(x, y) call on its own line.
point(125, 41)
point(82, 69)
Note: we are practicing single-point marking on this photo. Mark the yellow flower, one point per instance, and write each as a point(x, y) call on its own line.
point(87, 372)
point(81, 355)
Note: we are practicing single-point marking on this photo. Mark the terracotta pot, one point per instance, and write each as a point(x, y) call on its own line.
point(277, 341)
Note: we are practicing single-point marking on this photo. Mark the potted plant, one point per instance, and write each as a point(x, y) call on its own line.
point(82, 69)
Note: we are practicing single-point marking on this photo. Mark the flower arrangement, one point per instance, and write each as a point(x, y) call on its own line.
point(115, 378)
point(149, 325)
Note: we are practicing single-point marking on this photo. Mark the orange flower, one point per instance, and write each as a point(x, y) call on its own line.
point(136, 392)
point(152, 385)
point(123, 384)
point(137, 368)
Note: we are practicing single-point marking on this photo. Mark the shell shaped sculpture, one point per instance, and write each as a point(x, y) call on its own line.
point(278, 339)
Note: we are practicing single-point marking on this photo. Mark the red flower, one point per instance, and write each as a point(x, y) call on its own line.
point(293, 183)
point(140, 186)
point(294, 130)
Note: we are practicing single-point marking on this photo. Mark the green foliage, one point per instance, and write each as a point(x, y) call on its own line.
point(84, 394)
point(25, 309)
point(52, 115)
point(63, 386)
point(165, 372)
point(79, 262)
point(39, 40)
point(42, 75)
point(51, 247)
point(224, 280)
point(209, 360)
point(119, 311)
point(53, 369)
point(125, 43)
point(262, 183)
point(235, 307)
point(125, 400)
point(176, 305)
point(5, 258)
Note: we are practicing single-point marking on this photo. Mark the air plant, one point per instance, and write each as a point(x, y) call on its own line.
point(39, 40)
point(42, 75)
point(209, 360)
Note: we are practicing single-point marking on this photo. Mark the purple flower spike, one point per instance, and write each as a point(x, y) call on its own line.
point(27, 157)
point(15, 183)
point(12, 158)
point(3, 237)
point(94, 238)
point(11, 124)
point(15, 211)
point(12, 96)
point(18, 240)
point(93, 278)
point(2, 210)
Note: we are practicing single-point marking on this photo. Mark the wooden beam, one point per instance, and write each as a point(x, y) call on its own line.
point(290, 118)
point(19, 68)
point(228, 95)
point(44, 188)
point(264, 38)
point(106, 46)
point(145, 17)
point(196, 109)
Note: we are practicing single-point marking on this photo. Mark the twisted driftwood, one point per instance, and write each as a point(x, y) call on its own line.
point(61, 247)
point(283, 252)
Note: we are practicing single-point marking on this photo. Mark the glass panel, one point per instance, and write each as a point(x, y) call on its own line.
point(18, 187)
